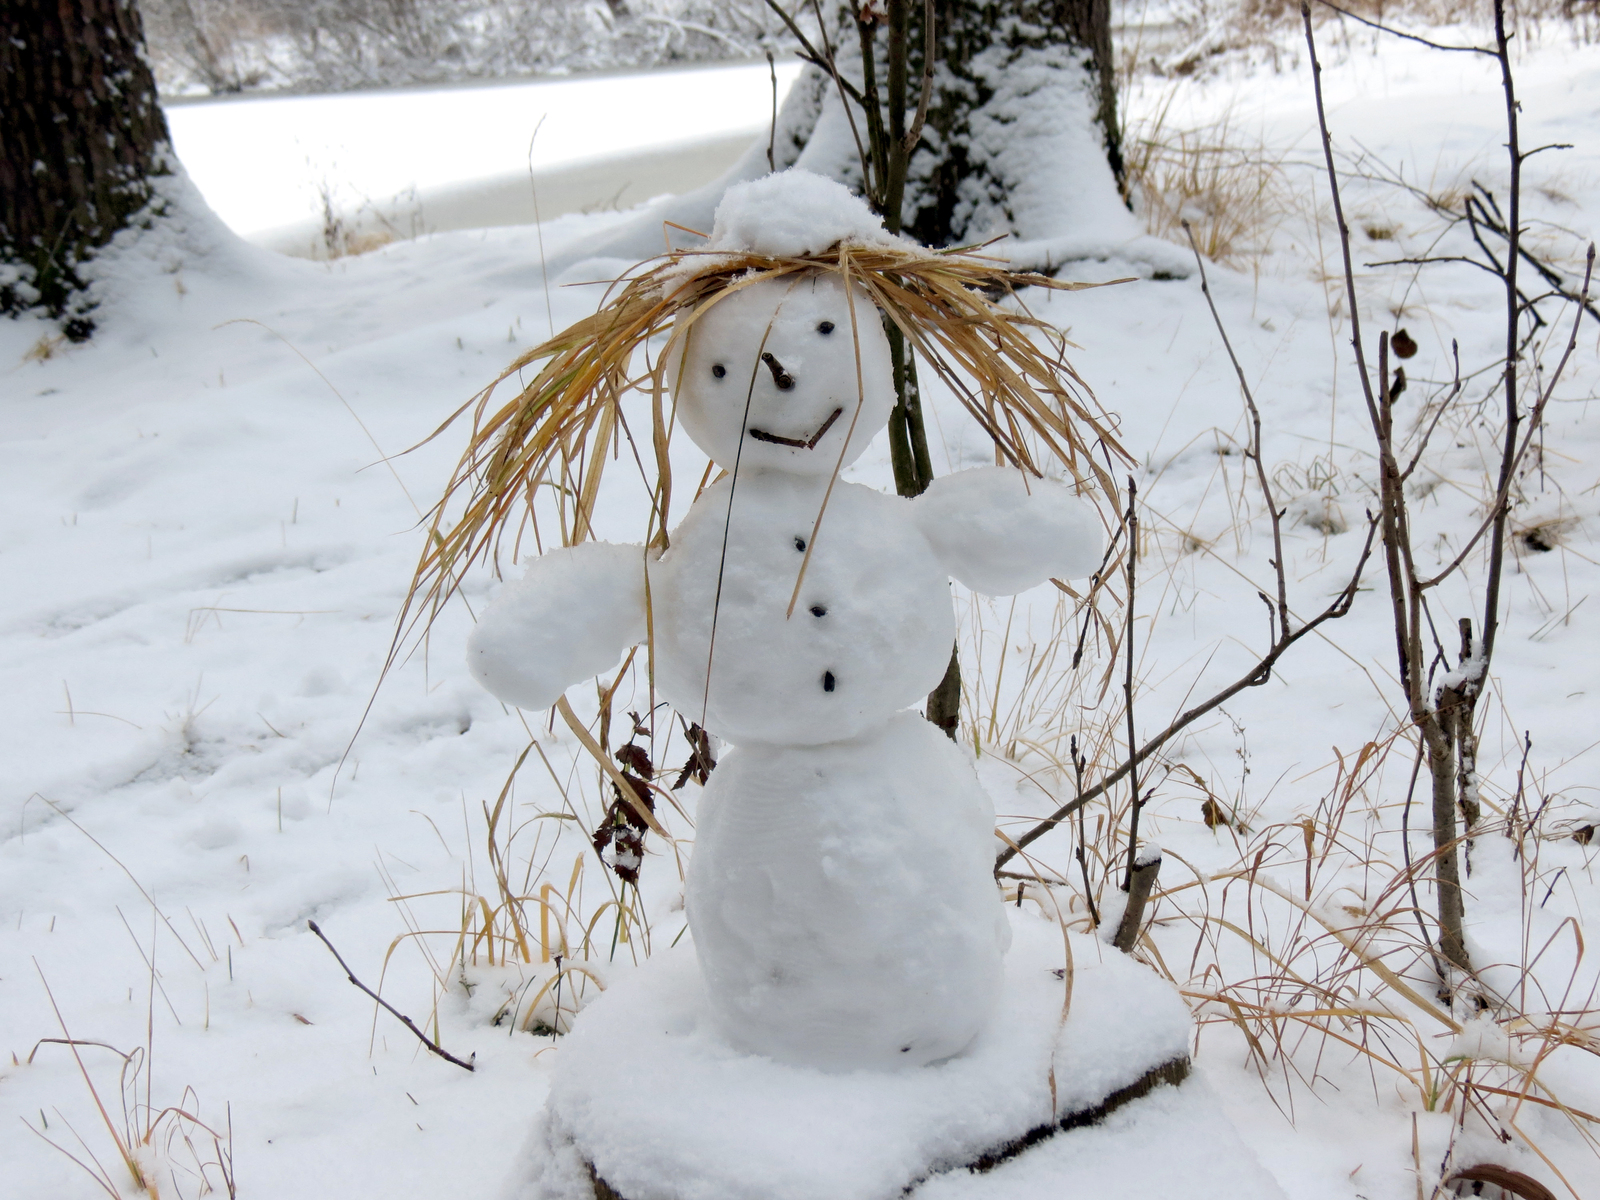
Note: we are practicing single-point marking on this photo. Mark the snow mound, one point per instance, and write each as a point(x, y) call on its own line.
point(794, 213)
point(646, 1091)
point(1173, 1142)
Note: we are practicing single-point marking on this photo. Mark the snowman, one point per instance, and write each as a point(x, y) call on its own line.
point(840, 892)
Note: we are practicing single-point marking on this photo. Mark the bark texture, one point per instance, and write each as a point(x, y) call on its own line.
point(990, 57)
point(82, 136)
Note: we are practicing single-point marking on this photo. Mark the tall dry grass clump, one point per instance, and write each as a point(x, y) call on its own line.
point(1232, 195)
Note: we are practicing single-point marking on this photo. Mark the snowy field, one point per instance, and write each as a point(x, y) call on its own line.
point(208, 529)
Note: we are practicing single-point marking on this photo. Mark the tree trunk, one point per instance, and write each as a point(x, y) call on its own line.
point(1002, 66)
point(1021, 137)
point(83, 136)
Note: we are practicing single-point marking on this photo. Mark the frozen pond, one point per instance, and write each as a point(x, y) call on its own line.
point(407, 161)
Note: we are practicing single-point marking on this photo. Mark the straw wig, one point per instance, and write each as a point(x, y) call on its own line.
point(957, 310)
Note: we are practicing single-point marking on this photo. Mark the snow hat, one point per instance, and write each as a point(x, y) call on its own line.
point(792, 214)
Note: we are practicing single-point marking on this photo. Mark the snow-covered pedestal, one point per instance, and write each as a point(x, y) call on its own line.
point(649, 1103)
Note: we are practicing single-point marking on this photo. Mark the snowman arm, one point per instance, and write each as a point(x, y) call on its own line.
point(1000, 533)
point(569, 618)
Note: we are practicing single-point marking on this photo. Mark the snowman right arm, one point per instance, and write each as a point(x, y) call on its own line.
point(1000, 533)
point(569, 618)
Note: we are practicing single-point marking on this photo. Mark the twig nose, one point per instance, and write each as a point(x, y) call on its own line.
point(782, 378)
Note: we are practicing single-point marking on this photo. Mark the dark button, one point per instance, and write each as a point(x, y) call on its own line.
point(818, 611)
point(800, 544)
point(827, 681)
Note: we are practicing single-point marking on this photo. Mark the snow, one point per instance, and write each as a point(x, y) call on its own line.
point(1174, 1142)
point(1002, 533)
point(793, 213)
point(569, 617)
point(842, 902)
point(264, 162)
point(693, 1118)
point(204, 543)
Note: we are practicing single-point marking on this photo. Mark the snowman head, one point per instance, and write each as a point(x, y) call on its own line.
point(781, 373)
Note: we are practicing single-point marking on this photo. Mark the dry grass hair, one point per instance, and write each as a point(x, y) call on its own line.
point(958, 311)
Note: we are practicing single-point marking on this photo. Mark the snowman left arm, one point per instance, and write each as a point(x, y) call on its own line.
point(571, 616)
point(999, 533)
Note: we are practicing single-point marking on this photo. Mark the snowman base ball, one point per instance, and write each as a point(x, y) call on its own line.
point(649, 1101)
point(842, 899)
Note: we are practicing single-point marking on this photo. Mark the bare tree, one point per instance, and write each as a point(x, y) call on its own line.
point(1443, 711)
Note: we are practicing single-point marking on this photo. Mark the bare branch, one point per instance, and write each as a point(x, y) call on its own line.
point(1338, 212)
point(1254, 677)
point(807, 51)
point(466, 1065)
point(914, 135)
point(1135, 802)
point(846, 94)
point(1254, 452)
point(1444, 405)
point(1410, 37)
point(1509, 454)
point(1535, 418)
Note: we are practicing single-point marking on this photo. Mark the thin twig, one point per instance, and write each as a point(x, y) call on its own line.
point(1254, 677)
point(772, 129)
point(1254, 452)
point(1444, 405)
point(466, 1065)
point(1132, 522)
point(1508, 453)
point(847, 92)
point(1410, 37)
point(1338, 212)
point(914, 135)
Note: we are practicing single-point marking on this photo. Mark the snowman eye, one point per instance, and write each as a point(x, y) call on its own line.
point(718, 370)
point(825, 328)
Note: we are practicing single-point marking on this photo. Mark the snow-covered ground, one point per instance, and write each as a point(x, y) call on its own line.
point(206, 539)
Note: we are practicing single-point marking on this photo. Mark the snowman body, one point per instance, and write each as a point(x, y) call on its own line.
point(841, 891)
point(871, 628)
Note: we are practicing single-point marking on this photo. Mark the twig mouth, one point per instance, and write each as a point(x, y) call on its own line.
point(761, 435)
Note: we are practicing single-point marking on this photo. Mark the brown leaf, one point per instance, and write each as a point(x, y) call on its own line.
point(702, 761)
point(1402, 344)
point(633, 758)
